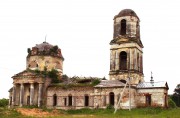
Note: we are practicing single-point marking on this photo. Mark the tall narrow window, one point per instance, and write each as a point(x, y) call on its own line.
point(65, 101)
point(86, 100)
point(165, 101)
point(54, 100)
point(111, 98)
point(28, 100)
point(104, 100)
point(70, 100)
point(123, 27)
point(148, 100)
point(138, 66)
point(123, 60)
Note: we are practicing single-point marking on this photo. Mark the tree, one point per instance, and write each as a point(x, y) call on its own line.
point(176, 95)
point(3, 102)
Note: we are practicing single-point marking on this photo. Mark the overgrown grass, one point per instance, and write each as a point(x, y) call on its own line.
point(9, 113)
point(134, 113)
point(103, 113)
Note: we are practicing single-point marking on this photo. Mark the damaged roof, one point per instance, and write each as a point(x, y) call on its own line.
point(161, 84)
point(110, 83)
point(126, 12)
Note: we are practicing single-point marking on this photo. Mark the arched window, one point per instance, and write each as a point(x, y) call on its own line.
point(54, 100)
point(123, 27)
point(123, 60)
point(70, 100)
point(86, 100)
point(111, 98)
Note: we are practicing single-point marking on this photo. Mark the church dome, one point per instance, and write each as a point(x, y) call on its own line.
point(45, 49)
point(43, 46)
point(126, 12)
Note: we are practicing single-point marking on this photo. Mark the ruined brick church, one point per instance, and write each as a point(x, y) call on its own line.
point(42, 83)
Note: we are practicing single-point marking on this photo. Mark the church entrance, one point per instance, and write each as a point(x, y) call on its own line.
point(111, 98)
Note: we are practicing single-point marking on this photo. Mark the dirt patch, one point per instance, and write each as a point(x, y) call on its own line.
point(37, 112)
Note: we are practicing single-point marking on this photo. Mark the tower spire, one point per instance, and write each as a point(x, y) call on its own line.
point(45, 38)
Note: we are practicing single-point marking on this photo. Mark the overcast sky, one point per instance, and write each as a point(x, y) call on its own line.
point(83, 30)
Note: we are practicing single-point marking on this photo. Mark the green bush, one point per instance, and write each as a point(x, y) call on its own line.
point(4, 102)
point(95, 82)
point(171, 103)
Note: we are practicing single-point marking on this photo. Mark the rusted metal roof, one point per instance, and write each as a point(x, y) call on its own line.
point(126, 12)
point(110, 83)
point(161, 84)
point(44, 46)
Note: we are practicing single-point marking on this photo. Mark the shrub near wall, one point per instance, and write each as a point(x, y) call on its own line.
point(4, 102)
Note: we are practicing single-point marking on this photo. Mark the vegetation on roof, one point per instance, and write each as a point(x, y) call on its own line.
point(53, 74)
point(76, 82)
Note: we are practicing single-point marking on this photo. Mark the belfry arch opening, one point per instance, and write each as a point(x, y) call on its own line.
point(123, 27)
point(123, 60)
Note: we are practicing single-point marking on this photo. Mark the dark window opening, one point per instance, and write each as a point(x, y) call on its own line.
point(165, 101)
point(54, 100)
point(36, 65)
point(138, 62)
point(148, 100)
point(28, 100)
point(123, 61)
point(104, 103)
point(65, 101)
point(86, 100)
point(70, 100)
point(111, 98)
point(10, 101)
point(123, 27)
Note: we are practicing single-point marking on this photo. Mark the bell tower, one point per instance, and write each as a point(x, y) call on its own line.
point(126, 54)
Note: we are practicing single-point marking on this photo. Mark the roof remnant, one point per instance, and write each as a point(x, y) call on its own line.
point(161, 84)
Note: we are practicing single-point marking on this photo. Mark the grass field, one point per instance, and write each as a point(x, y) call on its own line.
point(100, 113)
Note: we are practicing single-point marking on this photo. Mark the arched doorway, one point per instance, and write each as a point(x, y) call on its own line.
point(111, 98)
point(123, 60)
point(54, 100)
point(123, 27)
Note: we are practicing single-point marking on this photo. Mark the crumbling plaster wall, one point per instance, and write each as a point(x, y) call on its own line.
point(45, 61)
point(78, 97)
point(102, 97)
point(158, 97)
